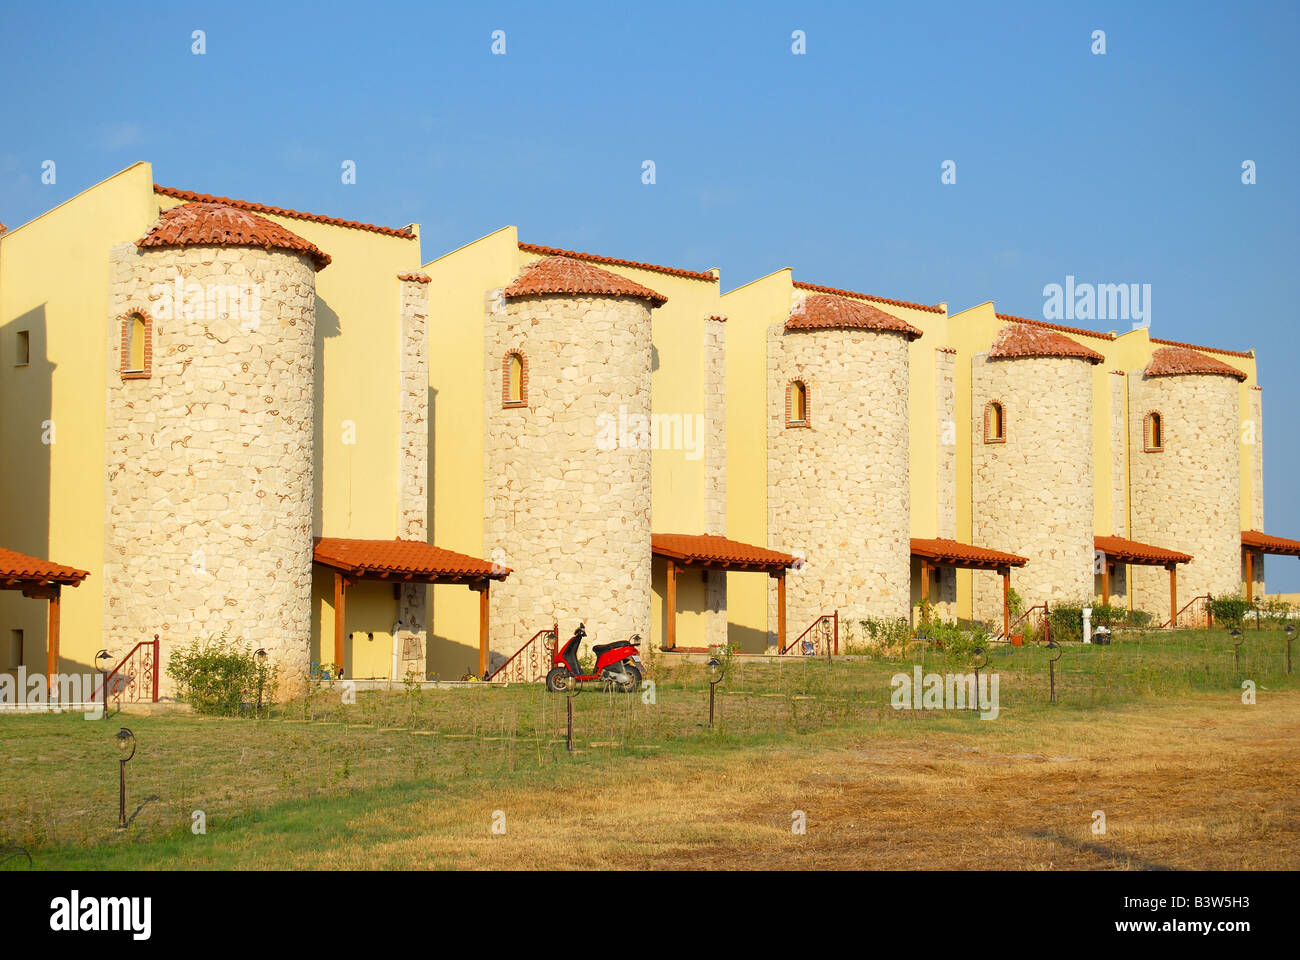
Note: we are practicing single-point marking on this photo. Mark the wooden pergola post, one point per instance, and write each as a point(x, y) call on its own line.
point(340, 619)
point(1173, 592)
point(1105, 582)
point(670, 602)
point(1005, 572)
point(780, 610)
point(483, 590)
point(925, 581)
point(1250, 575)
point(52, 656)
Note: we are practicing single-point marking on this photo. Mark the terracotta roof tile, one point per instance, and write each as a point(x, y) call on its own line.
point(835, 291)
point(956, 553)
point(1077, 331)
point(1191, 346)
point(567, 275)
point(1023, 340)
point(691, 548)
point(1176, 361)
point(614, 261)
point(418, 276)
point(824, 312)
point(1133, 551)
point(190, 195)
point(19, 566)
point(1270, 544)
point(3, 228)
point(216, 224)
point(399, 559)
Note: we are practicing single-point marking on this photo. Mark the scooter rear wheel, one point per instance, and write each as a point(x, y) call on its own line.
point(631, 685)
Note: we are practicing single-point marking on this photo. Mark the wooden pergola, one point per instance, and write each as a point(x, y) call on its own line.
point(41, 580)
point(686, 551)
point(398, 562)
point(1120, 550)
point(942, 552)
point(1254, 544)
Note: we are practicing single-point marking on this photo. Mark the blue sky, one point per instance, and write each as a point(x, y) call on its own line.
point(1122, 168)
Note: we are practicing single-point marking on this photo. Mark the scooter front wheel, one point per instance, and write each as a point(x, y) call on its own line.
point(557, 681)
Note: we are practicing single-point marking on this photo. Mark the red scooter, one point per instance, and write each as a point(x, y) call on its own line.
point(617, 664)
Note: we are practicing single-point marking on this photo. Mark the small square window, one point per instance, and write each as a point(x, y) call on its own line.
point(24, 354)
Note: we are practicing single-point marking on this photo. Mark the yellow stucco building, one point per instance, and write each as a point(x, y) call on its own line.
point(550, 421)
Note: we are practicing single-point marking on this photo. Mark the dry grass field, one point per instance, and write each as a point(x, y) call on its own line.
point(1152, 732)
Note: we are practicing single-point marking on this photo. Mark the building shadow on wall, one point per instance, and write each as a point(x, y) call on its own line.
point(443, 655)
point(327, 326)
point(26, 422)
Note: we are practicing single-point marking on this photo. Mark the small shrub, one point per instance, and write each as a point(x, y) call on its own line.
point(219, 676)
point(1228, 611)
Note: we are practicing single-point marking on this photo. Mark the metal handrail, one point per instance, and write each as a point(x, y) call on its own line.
point(150, 670)
point(552, 633)
point(834, 618)
point(1006, 637)
point(1174, 622)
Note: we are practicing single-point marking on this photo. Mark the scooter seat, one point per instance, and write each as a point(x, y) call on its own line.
point(600, 648)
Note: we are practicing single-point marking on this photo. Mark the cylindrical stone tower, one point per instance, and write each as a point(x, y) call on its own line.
point(1031, 465)
point(837, 460)
point(209, 436)
point(1185, 474)
point(567, 453)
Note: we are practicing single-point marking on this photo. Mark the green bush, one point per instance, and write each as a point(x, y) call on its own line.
point(1228, 611)
point(220, 676)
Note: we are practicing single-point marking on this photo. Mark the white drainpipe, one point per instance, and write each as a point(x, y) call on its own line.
point(396, 629)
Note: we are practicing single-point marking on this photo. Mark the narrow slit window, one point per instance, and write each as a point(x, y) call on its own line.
point(796, 399)
point(1155, 432)
point(24, 349)
point(137, 352)
point(514, 380)
point(995, 423)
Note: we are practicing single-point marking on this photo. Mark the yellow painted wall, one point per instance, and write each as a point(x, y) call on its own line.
point(54, 283)
point(461, 280)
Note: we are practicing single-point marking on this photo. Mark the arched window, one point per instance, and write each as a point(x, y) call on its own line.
point(514, 380)
point(137, 347)
point(796, 404)
point(1153, 433)
point(995, 422)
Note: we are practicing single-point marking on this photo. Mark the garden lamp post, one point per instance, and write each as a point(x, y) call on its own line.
point(1051, 669)
point(716, 673)
point(1237, 641)
point(979, 658)
point(571, 690)
point(261, 675)
point(103, 678)
point(126, 745)
point(1290, 635)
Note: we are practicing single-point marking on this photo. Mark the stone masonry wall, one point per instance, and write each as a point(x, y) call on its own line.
point(1187, 497)
point(208, 460)
point(838, 488)
point(715, 469)
point(1032, 494)
point(1118, 386)
point(567, 477)
point(413, 469)
point(1257, 484)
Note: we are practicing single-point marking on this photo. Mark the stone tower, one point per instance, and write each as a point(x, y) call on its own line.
point(567, 451)
point(1185, 474)
point(210, 418)
point(1031, 465)
point(837, 460)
